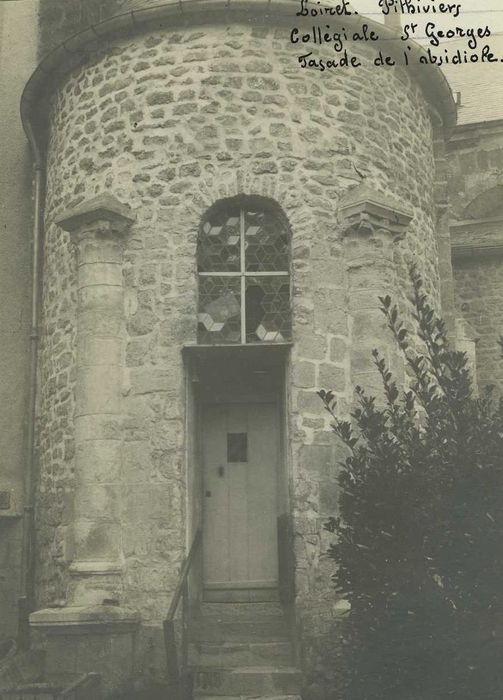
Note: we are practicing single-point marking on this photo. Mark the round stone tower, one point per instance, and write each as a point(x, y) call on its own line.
point(219, 223)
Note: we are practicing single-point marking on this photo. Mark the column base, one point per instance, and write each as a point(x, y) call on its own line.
point(84, 639)
point(95, 583)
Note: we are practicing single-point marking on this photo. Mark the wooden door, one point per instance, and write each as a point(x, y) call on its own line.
point(240, 454)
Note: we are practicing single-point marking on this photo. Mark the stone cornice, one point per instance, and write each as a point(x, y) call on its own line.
point(462, 251)
point(477, 224)
point(477, 238)
point(476, 129)
point(104, 210)
point(365, 211)
point(85, 616)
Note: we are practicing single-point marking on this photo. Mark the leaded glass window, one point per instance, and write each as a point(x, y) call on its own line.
point(244, 280)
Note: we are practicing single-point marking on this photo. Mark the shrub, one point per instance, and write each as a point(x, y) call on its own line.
point(419, 539)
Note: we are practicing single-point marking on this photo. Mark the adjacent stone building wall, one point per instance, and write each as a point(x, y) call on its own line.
point(476, 189)
point(17, 60)
point(169, 123)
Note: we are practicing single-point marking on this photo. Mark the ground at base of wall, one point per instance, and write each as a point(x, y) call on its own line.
point(144, 689)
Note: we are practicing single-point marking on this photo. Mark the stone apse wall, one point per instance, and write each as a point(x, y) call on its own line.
point(169, 123)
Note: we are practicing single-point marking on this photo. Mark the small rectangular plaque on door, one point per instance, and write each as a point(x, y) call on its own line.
point(237, 447)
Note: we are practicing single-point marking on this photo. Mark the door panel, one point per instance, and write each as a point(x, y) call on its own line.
point(240, 454)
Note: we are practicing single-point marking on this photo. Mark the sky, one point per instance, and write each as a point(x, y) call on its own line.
point(473, 13)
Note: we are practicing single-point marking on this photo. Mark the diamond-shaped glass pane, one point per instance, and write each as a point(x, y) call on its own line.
point(266, 242)
point(219, 310)
point(268, 309)
point(219, 242)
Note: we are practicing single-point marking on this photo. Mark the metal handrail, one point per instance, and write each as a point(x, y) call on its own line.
point(187, 565)
point(176, 670)
point(82, 688)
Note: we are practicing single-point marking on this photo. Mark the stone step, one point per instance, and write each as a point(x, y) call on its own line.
point(250, 682)
point(228, 654)
point(246, 697)
point(237, 612)
point(30, 691)
point(275, 630)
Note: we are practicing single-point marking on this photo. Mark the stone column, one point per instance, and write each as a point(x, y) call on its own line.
point(98, 228)
point(95, 631)
point(372, 224)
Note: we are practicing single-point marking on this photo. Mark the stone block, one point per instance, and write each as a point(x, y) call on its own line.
point(331, 377)
point(98, 461)
point(99, 250)
point(330, 271)
point(142, 502)
point(324, 437)
point(369, 326)
point(142, 322)
point(338, 349)
point(329, 497)
point(303, 374)
point(317, 458)
point(367, 299)
point(98, 427)
point(101, 298)
point(97, 390)
point(94, 350)
point(146, 380)
point(136, 462)
point(98, 502)
point(101, 322)
point(330, 312)
point(366, 274)
point(80, 640)
point(361, 357)
point(137, 352)
point(98, 273)
point(96, 541)
point(136, 540)
point(309, 402)
point(311, 346)
point(369, 381)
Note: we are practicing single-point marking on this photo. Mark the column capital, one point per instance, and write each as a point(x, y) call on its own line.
point(365, 212)
point(103, 214)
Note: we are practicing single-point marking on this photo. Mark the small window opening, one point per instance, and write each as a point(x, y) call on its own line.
point(237, 447)
point(244, 279)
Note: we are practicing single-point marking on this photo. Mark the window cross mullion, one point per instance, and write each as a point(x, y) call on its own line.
point(247, 273)
point(243, 274)
point(264, 290)
point(220, 274)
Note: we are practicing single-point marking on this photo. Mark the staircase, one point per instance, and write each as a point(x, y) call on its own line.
point(243, 650)
point(87, 687)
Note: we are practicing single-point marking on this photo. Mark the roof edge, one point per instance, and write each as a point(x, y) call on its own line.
point(76, 50)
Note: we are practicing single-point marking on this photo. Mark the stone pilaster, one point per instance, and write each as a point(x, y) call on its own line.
point(93, 632)
point(98, 228)
point(371, 226)
point(466, 341)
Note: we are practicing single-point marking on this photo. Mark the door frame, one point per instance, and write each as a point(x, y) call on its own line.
point(262, 582)
point(197, 360)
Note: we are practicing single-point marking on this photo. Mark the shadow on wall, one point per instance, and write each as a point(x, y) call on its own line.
point(486, 205)
point(60, 19)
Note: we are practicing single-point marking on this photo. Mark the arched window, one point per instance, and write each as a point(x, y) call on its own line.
point(243, 259)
